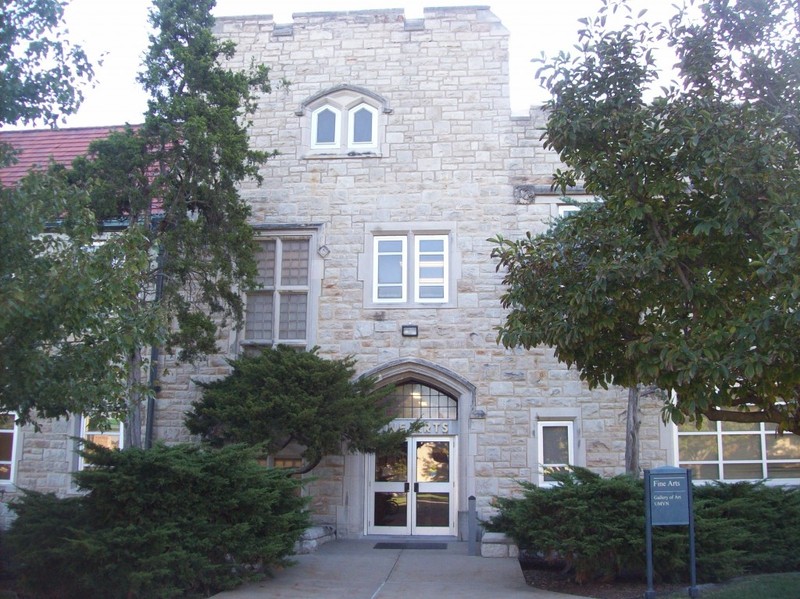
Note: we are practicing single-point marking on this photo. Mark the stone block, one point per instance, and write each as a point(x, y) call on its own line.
point(496, 544)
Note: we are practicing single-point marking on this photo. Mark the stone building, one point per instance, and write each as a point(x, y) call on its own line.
point(399, 159)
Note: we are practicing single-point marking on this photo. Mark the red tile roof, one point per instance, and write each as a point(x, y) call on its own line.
point(37, 147)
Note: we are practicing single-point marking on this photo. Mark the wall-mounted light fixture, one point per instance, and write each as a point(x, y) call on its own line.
point(409, 330)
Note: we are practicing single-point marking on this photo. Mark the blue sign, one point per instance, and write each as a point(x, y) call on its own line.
point(669, 496)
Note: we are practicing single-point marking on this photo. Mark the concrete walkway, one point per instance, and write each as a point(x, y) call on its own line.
point(354, 569)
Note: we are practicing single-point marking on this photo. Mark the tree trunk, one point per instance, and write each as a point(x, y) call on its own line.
point(133, 422)
point(632, 433)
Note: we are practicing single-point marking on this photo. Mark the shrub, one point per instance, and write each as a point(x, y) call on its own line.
point(158, 523)
point(746, 528)
point(595, 528)
point(590, 524)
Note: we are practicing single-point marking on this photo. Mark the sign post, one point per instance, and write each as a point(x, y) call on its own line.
point(668, 502)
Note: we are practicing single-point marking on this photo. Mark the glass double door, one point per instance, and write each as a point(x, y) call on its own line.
point(412, 489)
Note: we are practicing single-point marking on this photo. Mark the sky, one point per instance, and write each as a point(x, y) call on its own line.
point(117, 30)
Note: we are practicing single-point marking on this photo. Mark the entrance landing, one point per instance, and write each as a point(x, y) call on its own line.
point(354, 569)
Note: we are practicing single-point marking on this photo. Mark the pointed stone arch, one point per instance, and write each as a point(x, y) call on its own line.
point(364, 92)
point(430, 373)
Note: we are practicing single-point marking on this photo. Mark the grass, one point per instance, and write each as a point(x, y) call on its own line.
point(785, 586)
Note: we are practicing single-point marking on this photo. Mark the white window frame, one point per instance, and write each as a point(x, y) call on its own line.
point(721, 462)
point(351, 128)
point(542, 465)
point(419, 281)
point(412, 282)
point(336, 128)
point(567, 209)
point(403, 284)
point(12, 464)
point(85, 432)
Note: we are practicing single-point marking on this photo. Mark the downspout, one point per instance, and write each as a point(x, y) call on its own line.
point(152, 381)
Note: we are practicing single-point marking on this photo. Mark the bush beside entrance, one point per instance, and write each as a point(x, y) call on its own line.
point(165, 522)
point(594, 528)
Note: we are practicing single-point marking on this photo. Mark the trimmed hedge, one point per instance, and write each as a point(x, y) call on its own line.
point(166, 522)
point(594, 528)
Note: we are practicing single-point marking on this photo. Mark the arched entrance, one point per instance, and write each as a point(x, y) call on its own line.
point(418, 488)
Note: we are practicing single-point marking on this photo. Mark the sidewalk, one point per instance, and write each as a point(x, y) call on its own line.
point(355, 569)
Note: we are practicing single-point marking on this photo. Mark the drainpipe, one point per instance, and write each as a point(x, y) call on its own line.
point(154, 356)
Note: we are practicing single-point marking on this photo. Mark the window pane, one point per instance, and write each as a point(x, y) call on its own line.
point(390, 509)
point(742, 471)
point(433, 461)
point(6, 445)
point(362, 126)
point(698, 448)
point(431, 246)
point(555, 445)
point(433, 509)
point(741, 447)
point(783, 447)
point(549, 471)
point(390, 269)
point(703, 471)
point(691, 427)
point(431, 292)
point(431, 272)
point(326, 126)
point(294, 263)
point(390, 292)
point(6, 422)
point(259, 316)
point(265, 257)
point(386, 246)
point(783, 470)
point(293, 316)
point(740, 426)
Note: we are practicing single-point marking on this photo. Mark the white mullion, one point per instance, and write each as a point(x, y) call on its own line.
point(276, 297)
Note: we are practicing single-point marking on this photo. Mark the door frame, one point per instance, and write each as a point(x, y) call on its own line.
point(413, 488)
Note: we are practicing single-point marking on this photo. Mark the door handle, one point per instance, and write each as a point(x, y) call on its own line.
point(406, 487)
point(416, 487)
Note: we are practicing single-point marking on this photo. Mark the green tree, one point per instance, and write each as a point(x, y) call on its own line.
point(42, 72)
point(175, 180)
point(60, 339)
point(284, 396)
point(66, 315)
point(180, 247)
point(686, 272)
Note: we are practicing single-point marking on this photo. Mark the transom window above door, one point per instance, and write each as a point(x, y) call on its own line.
point(420, 401)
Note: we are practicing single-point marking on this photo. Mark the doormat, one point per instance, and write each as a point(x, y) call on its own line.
point(410, 546)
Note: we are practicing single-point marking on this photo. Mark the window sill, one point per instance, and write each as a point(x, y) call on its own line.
point(322, 155)
point(408, 306)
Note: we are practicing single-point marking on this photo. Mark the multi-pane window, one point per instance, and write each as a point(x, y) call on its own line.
point(417, 400)
point(358, 126)
point(8, 432)
point(555, 448)
point(400, 276)
point(277, 311)
point(731, 451)
point(106, 432)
